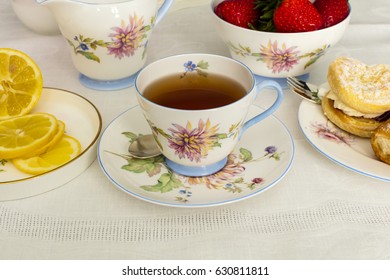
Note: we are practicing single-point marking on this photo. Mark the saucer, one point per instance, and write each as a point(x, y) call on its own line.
point(82, 120)
point(261, 159)
point(351, 152)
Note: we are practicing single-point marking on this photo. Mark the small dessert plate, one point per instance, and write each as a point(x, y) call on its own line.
point(351, 152)
point(261, 159)
point(82, 120)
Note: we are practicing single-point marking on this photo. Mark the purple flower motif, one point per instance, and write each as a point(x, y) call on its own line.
point(279, 59)
point(193, 143)
point(270, 149)
point(189, 66)
point(126, 39)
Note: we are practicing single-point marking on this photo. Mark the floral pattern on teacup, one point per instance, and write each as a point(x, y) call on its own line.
point(195, 142)
point(125, 40)
point(279, 58)
point(199, 68)
point(231, 178)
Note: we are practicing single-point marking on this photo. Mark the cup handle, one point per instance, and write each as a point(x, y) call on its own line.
point(163, 10)
point(270, 110)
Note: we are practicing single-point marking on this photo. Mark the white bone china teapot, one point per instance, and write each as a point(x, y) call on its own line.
point(107, 38)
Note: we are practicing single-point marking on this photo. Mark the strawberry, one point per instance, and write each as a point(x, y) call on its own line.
point(296, 16)
point(238, 12)
point(332, 11)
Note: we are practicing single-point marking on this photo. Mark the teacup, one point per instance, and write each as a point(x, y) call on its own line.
point(107, 39)
point(196, 138)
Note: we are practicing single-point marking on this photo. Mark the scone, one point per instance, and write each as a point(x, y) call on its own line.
point(359, 126)
point(362, 87)
point(380, 142)
point(359, 99)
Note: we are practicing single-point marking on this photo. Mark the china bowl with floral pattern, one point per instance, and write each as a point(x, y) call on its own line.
point(277, 55)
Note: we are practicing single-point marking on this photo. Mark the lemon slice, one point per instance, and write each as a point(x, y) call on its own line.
point(23, 135)
point(57, 137)
point(65, 150)
point(21, 83)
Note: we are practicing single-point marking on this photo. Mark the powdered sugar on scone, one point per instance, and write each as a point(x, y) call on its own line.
point(365, 88)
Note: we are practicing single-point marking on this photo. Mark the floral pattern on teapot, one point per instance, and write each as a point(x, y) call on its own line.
point(125, 40)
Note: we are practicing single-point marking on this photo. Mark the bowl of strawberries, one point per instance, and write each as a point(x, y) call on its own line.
point(280, 38)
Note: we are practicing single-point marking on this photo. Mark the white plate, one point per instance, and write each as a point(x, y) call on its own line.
point(352, 152)
point(82, 120)
point(151, 181)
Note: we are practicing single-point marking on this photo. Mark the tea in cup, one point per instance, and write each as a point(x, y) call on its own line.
point(196, 106)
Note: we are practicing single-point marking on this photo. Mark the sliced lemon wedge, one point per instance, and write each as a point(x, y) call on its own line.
point(22, 135)
point(57, 155)
point(21, 83)
point(56, 138)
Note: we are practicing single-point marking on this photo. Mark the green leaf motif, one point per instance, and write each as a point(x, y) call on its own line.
point(216, 144)
point(151, 166)
point(166, 183)
point(88, 40)
point(93, 46)
point(101, 43)
point(153, 20)
point(132, 136)
point(246, 155)
point(203, 65)
point(89, 55)
point(311, 61)
point(71, 43)
point(147, 28)
point(221, 135)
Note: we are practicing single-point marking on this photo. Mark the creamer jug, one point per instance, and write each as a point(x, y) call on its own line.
point(107, 38)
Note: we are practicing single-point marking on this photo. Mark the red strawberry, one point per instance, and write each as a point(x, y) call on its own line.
point(332, 11)
point(296, 16)
point(238, 12)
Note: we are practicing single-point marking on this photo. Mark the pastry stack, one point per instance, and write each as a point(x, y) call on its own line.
point(359, 101)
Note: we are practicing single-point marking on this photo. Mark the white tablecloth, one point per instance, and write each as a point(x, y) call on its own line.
point(319, 210)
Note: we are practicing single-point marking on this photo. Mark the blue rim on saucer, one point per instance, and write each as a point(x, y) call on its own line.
point(107, 85)
point(196, 171)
